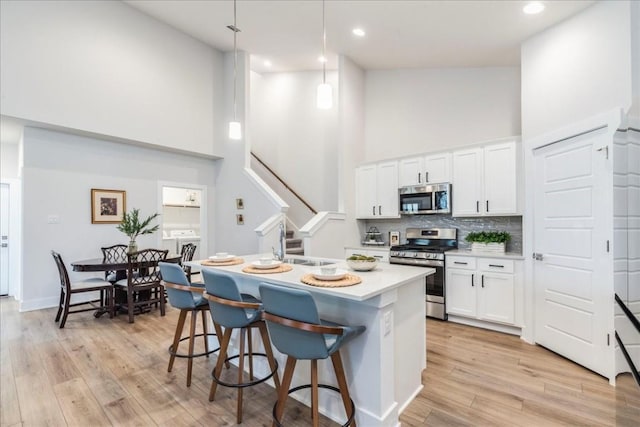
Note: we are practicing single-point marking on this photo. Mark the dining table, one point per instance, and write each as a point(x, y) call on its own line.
point(118, 265)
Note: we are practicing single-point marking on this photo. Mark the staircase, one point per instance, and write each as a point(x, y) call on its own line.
point(293, 245)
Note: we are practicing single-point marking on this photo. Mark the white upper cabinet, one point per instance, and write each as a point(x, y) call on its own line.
point(377, 190)
point(430, 169)
point(172, 196)
point(485, 180)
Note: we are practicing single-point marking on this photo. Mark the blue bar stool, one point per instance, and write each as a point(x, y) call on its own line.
point(297, 331)
point(232, 310)
point(188, 298)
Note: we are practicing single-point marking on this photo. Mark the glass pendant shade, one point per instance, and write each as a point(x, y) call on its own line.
point(235, 130)
point(325, 96)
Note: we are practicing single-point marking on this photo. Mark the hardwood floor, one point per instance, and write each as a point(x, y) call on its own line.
point(105, 371)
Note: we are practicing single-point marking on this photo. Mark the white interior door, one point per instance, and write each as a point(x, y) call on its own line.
point(570, 234)
point(4, 239)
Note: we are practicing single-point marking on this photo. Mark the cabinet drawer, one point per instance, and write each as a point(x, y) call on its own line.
point(495, 264)
point(462, 262)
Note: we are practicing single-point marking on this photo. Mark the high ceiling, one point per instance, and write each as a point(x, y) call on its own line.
point(399, 33)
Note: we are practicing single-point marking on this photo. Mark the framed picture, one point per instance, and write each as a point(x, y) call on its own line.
point(394, 238)
point(107, 206)
point(239, 204)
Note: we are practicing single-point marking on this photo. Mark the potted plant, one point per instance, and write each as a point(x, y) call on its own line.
point(488, 241)
point(133, 227)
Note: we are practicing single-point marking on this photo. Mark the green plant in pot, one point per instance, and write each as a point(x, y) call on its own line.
point(488, 240)
point(133, 227)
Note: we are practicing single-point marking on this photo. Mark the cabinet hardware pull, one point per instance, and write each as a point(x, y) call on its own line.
point(472, 280)
point(461, 263)
point(379, 209)
point(426, 177)
point(487, 206)
point(378, 256)
point(496, 265)
point(374, 209)
point(419, 173)
point(477, 206)
point(482, 277)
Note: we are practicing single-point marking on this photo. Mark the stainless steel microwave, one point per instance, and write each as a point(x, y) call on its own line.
point(425, 199)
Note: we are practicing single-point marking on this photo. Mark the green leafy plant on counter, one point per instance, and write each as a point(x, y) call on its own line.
point(488, 237)
point(133, 227)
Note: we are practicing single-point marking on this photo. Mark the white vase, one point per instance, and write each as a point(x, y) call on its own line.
point(488, 247)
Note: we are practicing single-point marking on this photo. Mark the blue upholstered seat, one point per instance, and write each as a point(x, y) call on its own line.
point(180, 298)
point(224, 286)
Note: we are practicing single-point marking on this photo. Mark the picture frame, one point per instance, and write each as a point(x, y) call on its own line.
point(239, 204)
point(240, 219)
point(394, 238)
point(107, 206)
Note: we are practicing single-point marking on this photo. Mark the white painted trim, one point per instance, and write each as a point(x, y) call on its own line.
point(39, 304)
point(15, 231)
point(513, 330)
point(316, 223)
point(266, 190)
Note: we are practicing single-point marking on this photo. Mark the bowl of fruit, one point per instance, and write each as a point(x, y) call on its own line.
point(362, 262)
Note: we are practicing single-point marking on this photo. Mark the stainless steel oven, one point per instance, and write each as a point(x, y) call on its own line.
point(425, 199)
point(426, 248)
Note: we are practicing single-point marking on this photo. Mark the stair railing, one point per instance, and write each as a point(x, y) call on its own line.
point(302, 200)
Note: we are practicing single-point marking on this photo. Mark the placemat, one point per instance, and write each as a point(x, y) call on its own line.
point(348, 280)
point(282, 268)
point(234, 261)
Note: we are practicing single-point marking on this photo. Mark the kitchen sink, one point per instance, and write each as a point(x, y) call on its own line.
point(307, 261)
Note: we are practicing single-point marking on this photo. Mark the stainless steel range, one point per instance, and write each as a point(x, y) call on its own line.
point(425, 247)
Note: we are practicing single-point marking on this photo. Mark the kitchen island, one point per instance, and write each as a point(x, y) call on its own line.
point(384, 364)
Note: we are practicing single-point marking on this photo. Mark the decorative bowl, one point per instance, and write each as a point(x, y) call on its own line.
point(363, 264)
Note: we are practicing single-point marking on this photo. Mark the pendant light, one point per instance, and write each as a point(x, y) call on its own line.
point(324, 95)
point(235, 129)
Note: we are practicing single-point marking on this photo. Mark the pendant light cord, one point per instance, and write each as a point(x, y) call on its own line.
point(235, 60)
point(324, 47)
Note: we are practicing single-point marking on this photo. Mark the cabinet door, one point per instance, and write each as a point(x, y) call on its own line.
point(387, 190)
point(410, 172)
point(467, 182)
point(500, 180)
point(437, 168)
point(366, 192)
point(496, 301)
point(461, 292)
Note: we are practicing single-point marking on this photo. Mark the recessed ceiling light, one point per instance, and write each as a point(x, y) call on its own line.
point(358, 32)
point(533, 8)
point(267, 63)
point(322, 59)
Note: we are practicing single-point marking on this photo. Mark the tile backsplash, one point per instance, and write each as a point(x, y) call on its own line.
point(511, 224)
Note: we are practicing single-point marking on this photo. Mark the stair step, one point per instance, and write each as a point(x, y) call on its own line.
point(289, 234)
point(295, 251)
point(293, 243)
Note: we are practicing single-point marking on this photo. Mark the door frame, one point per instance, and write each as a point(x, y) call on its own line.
point(204, 234)
point(15, 231)
point(611, 120)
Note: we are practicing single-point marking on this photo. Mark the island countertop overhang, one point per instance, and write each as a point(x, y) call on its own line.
point(384, 278)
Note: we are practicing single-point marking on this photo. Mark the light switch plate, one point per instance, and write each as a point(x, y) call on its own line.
point(53, 219)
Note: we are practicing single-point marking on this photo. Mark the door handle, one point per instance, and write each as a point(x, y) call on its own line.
point(472, 280)
point(4, 245)
point(537, 256)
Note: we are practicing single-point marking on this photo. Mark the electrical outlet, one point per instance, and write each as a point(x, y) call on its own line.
point(53, 219)
point(388, 320)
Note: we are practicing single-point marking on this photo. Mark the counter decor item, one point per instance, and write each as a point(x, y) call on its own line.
point(347, 280)
point(133, 227)
point(373, 237)
point(488, 241)
point(362, 262)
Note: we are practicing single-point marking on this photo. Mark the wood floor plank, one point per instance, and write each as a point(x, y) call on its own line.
point(10, 413)
point(78, 404)
point(38, 403)
point(127, 412)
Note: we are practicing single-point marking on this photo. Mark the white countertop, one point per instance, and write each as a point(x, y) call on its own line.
point(506, 255)
point(384, 278)
point(368, 248)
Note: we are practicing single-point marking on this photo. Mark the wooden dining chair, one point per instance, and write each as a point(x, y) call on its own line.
point(143, 284)
point(68, 288)
point(111, 254)
point(186, 254)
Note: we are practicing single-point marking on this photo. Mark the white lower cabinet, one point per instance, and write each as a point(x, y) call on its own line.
point(483, 288)
point(381, 254)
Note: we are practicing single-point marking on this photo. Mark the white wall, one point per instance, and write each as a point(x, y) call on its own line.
point(293, 137)
point(411, 111)
point(234, 180)
point(352, 108)
point(59, 172)
point(104, 67)
point(9, 160)
point(577, 69)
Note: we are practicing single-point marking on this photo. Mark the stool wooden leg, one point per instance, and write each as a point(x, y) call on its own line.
point(219, 336)
point(205, 332)
point(342, 383)
point(176, 338)
point(250, 345)
point(240, 375)
point(192, 334)
point(224, 345)
point(284, 387)
point(314, 393)
point(267, 348)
